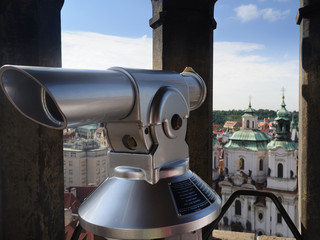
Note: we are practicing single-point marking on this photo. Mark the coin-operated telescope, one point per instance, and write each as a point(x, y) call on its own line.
point(150, 192)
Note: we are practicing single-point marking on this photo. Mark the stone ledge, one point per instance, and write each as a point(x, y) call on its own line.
point(273, 238)
point(228, 235)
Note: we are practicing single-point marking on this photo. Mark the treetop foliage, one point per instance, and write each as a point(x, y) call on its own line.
point(221, 116)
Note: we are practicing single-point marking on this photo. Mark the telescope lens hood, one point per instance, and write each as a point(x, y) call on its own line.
point(60, 98)
point(30, 97)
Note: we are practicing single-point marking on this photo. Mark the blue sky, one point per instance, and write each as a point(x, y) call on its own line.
point(256, 46)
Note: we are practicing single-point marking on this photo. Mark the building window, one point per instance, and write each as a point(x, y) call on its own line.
point(261, 165)
point(248, 124)
point(252, 124)
point(242, 163)
point(73, 154)
point(280, 170)
point(238, 208)
point(70, 171)
point(70, 163)
point(279, 218)
point(260, 216)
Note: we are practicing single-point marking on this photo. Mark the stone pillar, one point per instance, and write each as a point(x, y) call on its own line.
point(268, 218)
point(183, 36)
point(245, 211)
point(31, 159)
point(309, 116)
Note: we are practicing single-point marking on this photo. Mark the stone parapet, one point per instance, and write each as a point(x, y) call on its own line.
point(273, 238)
point(228, 235)
point(285, 184)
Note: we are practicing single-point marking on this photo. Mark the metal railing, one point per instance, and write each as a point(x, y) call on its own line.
point(208, 230)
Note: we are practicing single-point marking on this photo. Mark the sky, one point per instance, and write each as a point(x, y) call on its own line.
point(256, 46)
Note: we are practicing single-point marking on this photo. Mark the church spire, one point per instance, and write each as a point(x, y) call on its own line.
point(283, 120)
point(283, 105)
point(249, 118)
point(283, 132)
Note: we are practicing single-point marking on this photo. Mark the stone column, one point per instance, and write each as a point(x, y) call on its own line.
point(31, 160)
point(183, 36)
point(268, 218)
point(309, 116)
point(245, 211)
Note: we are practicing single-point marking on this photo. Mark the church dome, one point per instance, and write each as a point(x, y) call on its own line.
point(249, 111)
point(288, 145)
point(250, 139)
point(250, 135)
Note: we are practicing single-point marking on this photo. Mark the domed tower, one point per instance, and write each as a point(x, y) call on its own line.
point(282, 173)
point(249, 118)
point(246, 150)
point(283, 120)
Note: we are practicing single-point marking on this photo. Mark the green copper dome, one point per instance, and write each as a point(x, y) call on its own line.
point(249, 111)
point(288, 145)
point(250, 139)
point(250, 135)
point(214, 140)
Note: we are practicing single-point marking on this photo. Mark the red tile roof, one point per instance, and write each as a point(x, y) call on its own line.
point(71, 202)
point(83, 192)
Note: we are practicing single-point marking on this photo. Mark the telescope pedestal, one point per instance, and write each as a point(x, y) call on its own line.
point(195, 235)
point(123, 208)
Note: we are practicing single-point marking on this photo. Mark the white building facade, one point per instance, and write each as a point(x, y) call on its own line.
point(253, 162)
point(85, 163)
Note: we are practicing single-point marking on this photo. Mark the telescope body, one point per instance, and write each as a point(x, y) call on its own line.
point(150, 192)
point(60, 98)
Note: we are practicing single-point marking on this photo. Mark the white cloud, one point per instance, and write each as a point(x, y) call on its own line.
point(272, 15)
point(240, 69)
point(239, 72)
point(246, 13)
point(97, 51)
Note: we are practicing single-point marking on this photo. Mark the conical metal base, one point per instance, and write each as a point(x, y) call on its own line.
point(121, 208)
